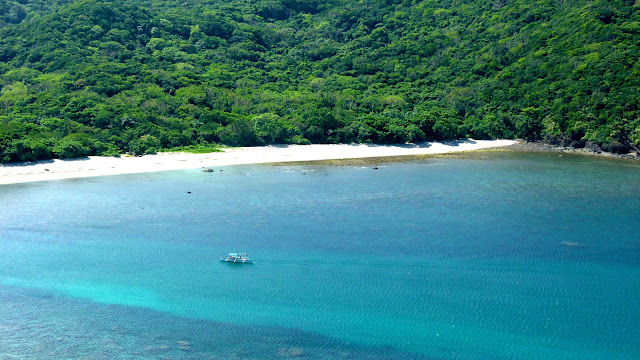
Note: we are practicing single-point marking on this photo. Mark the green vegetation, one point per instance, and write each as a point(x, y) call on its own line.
point(194, 149)
point(103, 77)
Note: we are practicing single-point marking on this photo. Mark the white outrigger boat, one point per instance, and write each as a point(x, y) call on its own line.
point(237, 258)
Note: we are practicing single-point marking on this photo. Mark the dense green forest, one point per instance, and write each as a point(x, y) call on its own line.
point(102, 77)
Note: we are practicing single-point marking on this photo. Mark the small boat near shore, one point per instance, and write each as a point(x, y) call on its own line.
point(237, 258)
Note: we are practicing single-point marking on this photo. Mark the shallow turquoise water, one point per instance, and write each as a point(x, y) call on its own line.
point(522, 256)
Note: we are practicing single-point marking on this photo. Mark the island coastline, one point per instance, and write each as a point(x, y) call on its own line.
point(104, 166)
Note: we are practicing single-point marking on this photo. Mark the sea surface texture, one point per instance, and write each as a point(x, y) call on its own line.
point(496, 256)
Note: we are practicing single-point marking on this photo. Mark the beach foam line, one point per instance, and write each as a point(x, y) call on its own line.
point(104, 166)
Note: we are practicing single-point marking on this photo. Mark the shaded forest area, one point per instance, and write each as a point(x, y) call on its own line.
point(102, 77)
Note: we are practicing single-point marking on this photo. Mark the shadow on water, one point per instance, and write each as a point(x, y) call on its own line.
point(37, 325)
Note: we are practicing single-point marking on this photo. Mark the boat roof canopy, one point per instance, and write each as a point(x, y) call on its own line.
point(237, 254)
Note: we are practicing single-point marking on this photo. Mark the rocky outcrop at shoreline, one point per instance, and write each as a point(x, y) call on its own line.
point(589, 148)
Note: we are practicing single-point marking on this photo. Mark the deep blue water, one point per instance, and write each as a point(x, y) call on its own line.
point(500, 256)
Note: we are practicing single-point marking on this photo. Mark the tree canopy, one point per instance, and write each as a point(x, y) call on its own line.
point(101, 77)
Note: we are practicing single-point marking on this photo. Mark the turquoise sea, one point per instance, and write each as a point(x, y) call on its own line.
point(495, 256)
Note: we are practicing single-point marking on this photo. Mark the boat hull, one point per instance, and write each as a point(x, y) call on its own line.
point(237, 261)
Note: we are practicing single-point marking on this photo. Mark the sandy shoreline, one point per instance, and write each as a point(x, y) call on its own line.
point(103, 166)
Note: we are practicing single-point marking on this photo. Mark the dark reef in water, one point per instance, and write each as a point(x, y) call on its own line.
point(35, 324)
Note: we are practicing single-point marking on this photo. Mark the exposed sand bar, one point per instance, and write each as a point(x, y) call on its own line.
point(102, 166)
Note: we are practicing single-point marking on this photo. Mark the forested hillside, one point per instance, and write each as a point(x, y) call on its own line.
point(100, 77)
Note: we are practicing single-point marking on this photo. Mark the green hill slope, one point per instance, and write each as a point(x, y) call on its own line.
point(102, 77)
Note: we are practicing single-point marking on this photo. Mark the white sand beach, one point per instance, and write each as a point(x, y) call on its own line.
point(102, 166)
